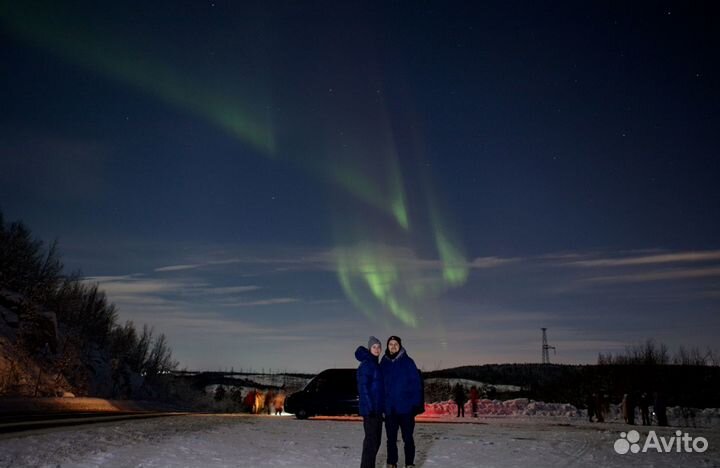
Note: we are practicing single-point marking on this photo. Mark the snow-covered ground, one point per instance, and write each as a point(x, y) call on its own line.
point(272, 441)
point(691, 417)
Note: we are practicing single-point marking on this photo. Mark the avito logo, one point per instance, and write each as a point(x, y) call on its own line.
point(680, 442)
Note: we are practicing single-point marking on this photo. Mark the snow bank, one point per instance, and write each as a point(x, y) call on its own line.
point(467, 384)
point(515, 407)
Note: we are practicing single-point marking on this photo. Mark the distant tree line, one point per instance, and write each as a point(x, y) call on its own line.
point(85, 345)
point(650, 353)
point(687, 377)
point(682, 385)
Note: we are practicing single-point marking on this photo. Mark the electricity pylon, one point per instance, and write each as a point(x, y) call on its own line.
point(546, 348)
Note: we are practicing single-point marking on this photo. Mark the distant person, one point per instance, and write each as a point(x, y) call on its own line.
point(687, 411)
point(660, 409)
point(645, 408)
point(591, 402)
point(249, 401)
point(605, 408)
point(259, 402)
point(279, 403)
point(460, 399)
point(371, 393)
point(628, 408)
point(269, 397)
point(403, 400)
point(600, 407)
point(688, 415)
point(474, 397)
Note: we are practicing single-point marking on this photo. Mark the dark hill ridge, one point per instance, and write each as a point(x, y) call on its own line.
point(681, 385)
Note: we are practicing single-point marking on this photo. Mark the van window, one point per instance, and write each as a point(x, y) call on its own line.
point(334, 382)
point(320, 384)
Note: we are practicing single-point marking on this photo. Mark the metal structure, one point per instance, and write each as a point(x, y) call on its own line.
point(546, 348)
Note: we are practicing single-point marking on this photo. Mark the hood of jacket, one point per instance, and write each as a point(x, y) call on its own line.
point(364, 354)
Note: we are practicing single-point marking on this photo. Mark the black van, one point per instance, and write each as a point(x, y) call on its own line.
point(331, 392)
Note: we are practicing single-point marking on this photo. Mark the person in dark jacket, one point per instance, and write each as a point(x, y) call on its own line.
point(645, 408)
point(591, 401)
point(460, 398)
point(628, 408)
point(600, 407)
point(370, 390)
point(660, 409)
point(474, 397)
point(403, 400)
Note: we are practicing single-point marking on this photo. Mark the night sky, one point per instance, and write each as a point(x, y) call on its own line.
point(269, 183)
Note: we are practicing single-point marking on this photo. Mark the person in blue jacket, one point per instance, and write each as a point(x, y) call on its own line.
point(403, 400)
point(370, 390)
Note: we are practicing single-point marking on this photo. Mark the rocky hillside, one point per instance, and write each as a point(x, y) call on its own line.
point(22, 372)
point(59, 335)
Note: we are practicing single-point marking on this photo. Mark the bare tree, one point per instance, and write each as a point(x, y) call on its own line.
point(691, 357)
point(160, 358)
point(647, 353)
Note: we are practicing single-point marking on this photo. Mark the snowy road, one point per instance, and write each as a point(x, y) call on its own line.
point(259, 441)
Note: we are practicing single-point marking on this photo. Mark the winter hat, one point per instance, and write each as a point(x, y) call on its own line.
point(371, 341)
point(396, 338)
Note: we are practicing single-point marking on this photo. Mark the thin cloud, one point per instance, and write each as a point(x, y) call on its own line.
point(207, 323)
point(301, 260)
point(679, 274)
point(405, 257)
point(120, 286)
point(180, 267)
point(140, 284)
point(107, 279)
point(192, 321)
point(563, 256)
point(229, 290)
point(675, 257)
point(492, 262)
point(144, 301)
point(261, 302)
point(193, 266)
point(176, 293)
